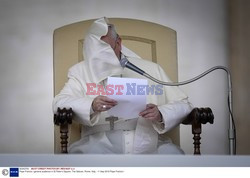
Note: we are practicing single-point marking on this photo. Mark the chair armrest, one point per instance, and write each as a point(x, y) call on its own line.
point(63, 118)
point(197, 117)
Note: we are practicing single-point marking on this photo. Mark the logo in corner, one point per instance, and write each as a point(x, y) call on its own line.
point(5, 172)
point(14, 172)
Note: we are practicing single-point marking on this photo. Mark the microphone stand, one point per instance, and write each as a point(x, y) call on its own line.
point(232, 129)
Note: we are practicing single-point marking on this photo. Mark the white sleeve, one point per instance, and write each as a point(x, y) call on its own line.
point(176, 108)
point(172, 115)
point(72, 96)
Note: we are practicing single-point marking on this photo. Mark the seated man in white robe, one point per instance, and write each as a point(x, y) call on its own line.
point(102, 52)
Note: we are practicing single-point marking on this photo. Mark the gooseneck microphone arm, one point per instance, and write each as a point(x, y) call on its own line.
point(232, 130)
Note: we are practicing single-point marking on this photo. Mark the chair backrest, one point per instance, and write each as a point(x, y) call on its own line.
point(151, 41)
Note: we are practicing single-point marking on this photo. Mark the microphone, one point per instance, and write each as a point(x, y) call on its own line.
point(125, 63)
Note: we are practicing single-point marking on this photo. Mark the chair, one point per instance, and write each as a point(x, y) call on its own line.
point(149, 40)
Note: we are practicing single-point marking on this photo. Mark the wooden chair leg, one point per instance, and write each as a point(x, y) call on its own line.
point(196, 131)
point(64, 129)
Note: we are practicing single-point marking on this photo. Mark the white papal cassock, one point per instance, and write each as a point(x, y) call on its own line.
point(129, 136)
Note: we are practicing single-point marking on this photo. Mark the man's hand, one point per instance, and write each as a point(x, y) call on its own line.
point(151, 113)
point(103, 103)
